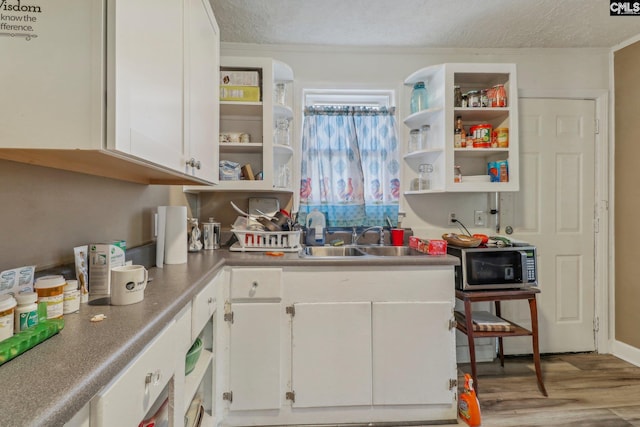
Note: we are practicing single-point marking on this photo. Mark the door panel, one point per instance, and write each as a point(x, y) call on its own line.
point(254, 356)
point(554, 211)
point(331, 354)
point(413, 353)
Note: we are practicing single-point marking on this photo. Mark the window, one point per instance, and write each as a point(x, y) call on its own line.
point(350, 169)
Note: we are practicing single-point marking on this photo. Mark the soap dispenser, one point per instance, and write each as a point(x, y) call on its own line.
point(316, 224)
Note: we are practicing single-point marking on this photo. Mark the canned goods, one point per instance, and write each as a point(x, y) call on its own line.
point(502, 137)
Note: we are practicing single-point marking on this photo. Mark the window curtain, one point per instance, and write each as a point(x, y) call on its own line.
point(350, 165)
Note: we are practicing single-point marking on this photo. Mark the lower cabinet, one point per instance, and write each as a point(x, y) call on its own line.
point(355, 345)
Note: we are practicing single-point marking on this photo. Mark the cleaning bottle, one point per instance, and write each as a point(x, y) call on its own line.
point(468, 405)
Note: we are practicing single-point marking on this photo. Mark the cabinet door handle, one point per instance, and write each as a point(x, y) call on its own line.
point(152, 378)
point(254, 288)
point(194, 163)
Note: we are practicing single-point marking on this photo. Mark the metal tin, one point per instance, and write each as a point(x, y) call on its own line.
point(211, 234)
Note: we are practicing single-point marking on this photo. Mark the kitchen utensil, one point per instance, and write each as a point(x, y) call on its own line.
point(268, 224)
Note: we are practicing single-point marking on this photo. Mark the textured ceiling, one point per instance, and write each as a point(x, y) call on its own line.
point(425, 23)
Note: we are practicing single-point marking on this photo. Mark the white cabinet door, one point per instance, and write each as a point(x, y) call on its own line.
point(254, 356)
point(145, 57)
point(413, 353)
point(202, 62)
point(331, 354)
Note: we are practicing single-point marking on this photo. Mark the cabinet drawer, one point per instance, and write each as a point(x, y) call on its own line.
point(256, 283)
point(204, 305)
point(127, 400)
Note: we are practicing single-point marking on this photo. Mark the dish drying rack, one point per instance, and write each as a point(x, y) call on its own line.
point(262, 241)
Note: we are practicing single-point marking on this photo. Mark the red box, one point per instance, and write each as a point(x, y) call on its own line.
point(428, 246)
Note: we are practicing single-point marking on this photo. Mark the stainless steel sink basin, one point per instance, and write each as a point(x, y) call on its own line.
point(331, 251)
point(358, 251)
point(389, 250)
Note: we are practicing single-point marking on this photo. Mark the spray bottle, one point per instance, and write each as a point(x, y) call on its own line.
point(468, 405)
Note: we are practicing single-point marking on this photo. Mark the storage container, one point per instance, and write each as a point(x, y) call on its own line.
point(7, 305)
point(50, 289)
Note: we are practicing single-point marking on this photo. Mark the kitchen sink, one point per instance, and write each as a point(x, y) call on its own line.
point(331, 251)
point(389, 250)
point(358, 251)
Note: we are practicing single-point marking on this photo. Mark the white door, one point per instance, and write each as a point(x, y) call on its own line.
point(331, 354)
point(254, 356)
point(554, 210)
point(413, 353)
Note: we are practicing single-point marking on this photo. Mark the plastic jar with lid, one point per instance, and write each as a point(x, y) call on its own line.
point(26, 312)
point(7, 306)
point(71, 298)
point(50, 289)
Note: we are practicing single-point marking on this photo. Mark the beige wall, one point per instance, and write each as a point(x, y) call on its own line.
point(46, 212)
point(627, 191)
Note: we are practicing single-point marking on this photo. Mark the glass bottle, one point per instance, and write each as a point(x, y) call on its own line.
point(459, 134)
point(457, 96)
point(457, 174)
point(418, 97)
point(282, 132)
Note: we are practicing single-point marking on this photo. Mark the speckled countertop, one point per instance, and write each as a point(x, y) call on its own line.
point(48, 384)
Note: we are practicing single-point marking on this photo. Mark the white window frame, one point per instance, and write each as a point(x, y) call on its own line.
point(355, 97)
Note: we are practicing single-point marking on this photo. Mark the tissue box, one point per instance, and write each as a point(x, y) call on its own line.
point(102, 258)
point(428, 246)
point(239, 78)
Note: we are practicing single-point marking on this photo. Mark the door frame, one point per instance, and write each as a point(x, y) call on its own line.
point(602, 217)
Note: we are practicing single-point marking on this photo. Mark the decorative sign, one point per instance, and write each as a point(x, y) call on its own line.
point(18, 19)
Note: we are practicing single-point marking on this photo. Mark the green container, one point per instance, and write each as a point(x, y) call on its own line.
point(192, 356)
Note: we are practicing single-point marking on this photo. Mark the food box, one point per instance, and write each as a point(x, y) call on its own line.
point(428, 246)
point(239, 78)
point(240, 93)
point(102, 258)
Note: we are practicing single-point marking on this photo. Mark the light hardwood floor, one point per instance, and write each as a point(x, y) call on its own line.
point(585, 390)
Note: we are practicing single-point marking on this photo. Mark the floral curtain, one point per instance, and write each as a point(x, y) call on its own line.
point(350, 165)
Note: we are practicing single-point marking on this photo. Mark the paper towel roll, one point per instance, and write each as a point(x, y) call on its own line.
point(172, 235)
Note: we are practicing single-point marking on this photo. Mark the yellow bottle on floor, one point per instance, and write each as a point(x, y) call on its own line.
point(468, 405)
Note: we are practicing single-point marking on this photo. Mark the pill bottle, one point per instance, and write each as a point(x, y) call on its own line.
point(26, 313)
point(50, 289)
point(7, 305)
point(71, 297)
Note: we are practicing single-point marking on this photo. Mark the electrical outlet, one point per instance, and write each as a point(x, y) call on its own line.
point(479, 218)
point(450, 218)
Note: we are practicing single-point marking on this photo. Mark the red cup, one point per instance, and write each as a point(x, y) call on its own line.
point(397, 237)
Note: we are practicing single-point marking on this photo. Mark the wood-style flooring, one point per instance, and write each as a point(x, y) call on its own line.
point(585, 390)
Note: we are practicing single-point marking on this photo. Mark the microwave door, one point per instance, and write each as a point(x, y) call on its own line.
point(524, 265)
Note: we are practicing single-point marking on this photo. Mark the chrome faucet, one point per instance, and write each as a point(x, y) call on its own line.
point(355, 236)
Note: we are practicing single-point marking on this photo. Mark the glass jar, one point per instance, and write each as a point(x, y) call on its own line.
point(281, 136)
point(424, 176)
point(418, 97)
point(424, 131)
point(280, 94)
point(457, 96)
point(474, 98)
point(500, 95)
point(415, 140)
point(484, 98)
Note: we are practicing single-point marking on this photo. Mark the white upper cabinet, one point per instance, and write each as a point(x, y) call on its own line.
point(120, 93)
point(249, 122)
point(440, 150)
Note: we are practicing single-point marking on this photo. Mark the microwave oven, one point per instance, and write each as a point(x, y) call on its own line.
point(485, 268)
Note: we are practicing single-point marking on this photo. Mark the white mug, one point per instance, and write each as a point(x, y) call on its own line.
point(127, 284)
